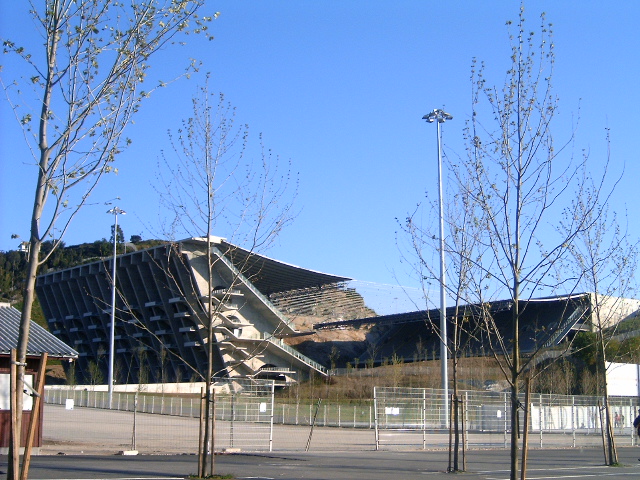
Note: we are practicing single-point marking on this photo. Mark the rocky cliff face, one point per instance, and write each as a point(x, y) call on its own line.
point(332, 348)
point(330, 303)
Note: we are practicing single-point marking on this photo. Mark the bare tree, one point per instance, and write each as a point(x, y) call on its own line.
point(86, 86)
point(520, 180)
point(606, 263)
point(212, 182)
point(462, 250)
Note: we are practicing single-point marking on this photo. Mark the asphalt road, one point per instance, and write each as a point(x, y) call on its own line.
point(547, 464)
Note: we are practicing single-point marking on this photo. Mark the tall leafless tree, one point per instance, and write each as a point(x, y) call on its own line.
point(521, 179)
point(462, 250)
point(514, 183)
point(605, 261)
point(213, 182)
point(85, 88)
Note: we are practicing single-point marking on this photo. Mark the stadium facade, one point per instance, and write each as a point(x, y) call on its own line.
point(163, 312)
point(545, 323)
point(165, 304)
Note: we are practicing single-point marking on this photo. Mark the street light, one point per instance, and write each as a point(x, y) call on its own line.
point(439, 116)
point(115, 211)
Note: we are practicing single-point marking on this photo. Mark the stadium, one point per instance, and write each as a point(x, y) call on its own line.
point(270, 320)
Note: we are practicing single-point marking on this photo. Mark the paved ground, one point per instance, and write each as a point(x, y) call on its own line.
point(98, 431)
point(430, 465)
point(89, 438)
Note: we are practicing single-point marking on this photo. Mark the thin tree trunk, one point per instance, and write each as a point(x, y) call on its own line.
point(201, 444)
point(207, 448)
point(515, 377)
point(211, 413)
point(34, 240)
point(25, 325)
point(613, 454)
point(607, 432)
point(456, 420)
point(451, 421)
point(525, 430)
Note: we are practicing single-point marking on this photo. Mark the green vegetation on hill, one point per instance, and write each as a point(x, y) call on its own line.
point(630, 324)
point(13, 264)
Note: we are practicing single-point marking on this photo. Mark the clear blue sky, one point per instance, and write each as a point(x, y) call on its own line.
point(339, 87)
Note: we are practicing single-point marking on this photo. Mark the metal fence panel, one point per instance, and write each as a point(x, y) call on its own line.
point(243, 412)
point(248, 418)
point(412, 417)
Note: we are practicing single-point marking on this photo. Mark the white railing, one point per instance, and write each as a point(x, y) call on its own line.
point(253, 289)
point(292, 351)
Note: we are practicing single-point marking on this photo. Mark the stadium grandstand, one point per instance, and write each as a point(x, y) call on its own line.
point(162, 317)
point(270, 319)
point(544, 323)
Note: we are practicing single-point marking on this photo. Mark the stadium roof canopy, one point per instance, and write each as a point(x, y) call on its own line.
point(545, 322)
point(273, 276)
point(419, 316)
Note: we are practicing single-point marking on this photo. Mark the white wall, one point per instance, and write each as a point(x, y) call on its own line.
point(622, 379)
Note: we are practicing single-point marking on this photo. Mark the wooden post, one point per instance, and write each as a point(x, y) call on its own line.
point(35, 416)
point(613, 454)
point(13, 467)
point(313, 424)
point(602, 432)
point(135, 425)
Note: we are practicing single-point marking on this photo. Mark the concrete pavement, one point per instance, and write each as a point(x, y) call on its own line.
point(561, 464)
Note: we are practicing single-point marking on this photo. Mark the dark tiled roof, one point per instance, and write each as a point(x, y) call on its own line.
point(40, 340)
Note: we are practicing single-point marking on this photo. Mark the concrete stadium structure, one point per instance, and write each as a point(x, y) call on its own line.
point(545, 323)
point(162, 317)
point(162, 313)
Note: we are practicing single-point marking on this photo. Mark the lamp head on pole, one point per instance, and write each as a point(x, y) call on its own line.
point(117, 211)
point(439, 115)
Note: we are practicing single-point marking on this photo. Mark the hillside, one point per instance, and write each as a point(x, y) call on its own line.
point(13, 263)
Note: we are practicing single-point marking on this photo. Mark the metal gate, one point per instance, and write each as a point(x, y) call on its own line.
point(404, 416)
point(244, 414)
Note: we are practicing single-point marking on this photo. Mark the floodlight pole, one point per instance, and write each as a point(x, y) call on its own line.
point(439, 116)
point(115, 211)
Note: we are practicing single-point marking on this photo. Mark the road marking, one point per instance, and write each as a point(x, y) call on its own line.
point(581, 475)
point(124, 478)
point(586, 467)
